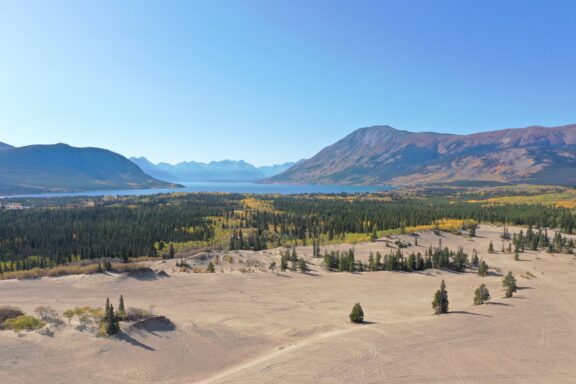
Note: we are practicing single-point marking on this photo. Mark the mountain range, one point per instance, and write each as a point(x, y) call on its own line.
point(383, 155)
point(62, 168)
point(226, 170)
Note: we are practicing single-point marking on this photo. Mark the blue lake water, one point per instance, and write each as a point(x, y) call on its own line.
point(230, 187)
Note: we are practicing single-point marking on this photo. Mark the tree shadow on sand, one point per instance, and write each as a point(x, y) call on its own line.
point(132, 341)
point(467, 313)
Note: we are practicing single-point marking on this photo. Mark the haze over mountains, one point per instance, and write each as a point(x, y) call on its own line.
point(62, 168)
point(379, 155)
point(226, 170)
point(384, 155)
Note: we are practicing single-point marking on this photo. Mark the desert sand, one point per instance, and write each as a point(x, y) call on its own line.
point(286, 327)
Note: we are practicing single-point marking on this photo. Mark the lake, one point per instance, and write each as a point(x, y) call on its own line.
point(230, 187)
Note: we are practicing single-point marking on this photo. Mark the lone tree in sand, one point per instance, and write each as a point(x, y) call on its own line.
point(481, 295)
point(483, 269)
point(210, 268)
point(440, 302)
point(357, 314)
point(491, 247)
point(509, 282)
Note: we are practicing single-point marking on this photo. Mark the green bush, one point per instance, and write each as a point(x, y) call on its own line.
point(24, 322)
point(357, 314)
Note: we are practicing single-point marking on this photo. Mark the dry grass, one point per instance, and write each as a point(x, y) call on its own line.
point(70, 269)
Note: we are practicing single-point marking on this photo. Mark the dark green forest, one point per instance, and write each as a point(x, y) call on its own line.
point(55, 231)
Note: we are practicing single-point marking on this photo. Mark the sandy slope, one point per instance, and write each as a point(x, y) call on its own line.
point(293, 328)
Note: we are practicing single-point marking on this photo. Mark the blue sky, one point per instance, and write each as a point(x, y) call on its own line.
point(277, 80)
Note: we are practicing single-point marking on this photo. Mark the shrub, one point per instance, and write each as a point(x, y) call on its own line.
point(357, 314)
point(9, 312)
point(24, 322)
point(48, 315)
point(135, 314)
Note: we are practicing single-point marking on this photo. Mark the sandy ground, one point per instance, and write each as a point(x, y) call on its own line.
point(263, 327)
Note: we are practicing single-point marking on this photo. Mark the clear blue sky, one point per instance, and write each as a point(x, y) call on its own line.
point(276, 80)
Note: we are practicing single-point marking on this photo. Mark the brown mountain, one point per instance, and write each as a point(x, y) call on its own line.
point(384, 155)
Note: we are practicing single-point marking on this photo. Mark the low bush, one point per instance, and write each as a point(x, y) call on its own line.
point(135, 314)
point(21, 323)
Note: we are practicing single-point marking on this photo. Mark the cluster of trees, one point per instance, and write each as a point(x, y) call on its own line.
point(296, 263)
point(341, 261)
point(434, 257)
point(111, 321)
point(535, 240)
point(254, 241)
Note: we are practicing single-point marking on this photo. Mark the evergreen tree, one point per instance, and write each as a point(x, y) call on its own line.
point(171, 251)
point(357, 314)
point(210, 268)
point(440, 302)
point(509, 283)
point(121, 310)
point(481, 295)
point(303, 266)
point(283, 262)
point(491, 247)
point(483, 269)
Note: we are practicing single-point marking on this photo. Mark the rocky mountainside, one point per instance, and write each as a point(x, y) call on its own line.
point(384, 155)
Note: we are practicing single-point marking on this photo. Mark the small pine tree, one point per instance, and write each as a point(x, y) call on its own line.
point(210, 268)
point(112, 326)
point(472, 231)
point(171, 251)
point(357, 314)
point(303, 266)
point(121, 310)
point(481, 295)
point(440, 302)
point(491, 247)
point(483, 269)
point(509, 282)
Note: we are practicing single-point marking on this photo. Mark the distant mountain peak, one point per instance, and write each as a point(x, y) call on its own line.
point(385, 155)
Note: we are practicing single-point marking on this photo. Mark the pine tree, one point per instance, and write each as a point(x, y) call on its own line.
point(509, 282)
point(121, 310)
point(472, 231)
point(481, 295)
point(283, 262)
point(210, 268)
point(357, 314)
point(440, 302)
point(171, 251)
point(483, 269)
point(491, 247)
point(303, 266)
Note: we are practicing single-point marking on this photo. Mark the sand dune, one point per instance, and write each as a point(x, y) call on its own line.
point(263, 327)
